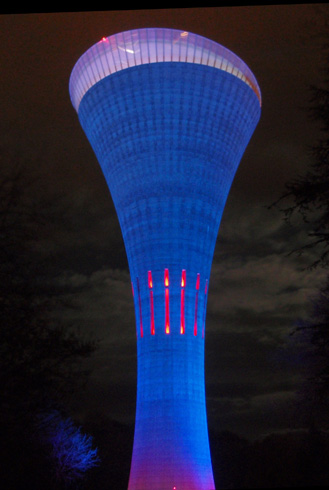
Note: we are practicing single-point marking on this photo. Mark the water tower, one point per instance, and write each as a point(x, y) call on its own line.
point(168, 114)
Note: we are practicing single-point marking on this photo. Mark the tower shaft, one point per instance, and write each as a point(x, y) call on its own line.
point(169, 137)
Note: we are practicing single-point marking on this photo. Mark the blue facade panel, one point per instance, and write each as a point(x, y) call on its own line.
point(169, 137)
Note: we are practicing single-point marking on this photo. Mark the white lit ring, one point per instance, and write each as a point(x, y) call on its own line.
point(152, 45)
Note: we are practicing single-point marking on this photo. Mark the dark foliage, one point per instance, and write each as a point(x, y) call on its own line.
point(307, 195)
point(312, 333)
point(40, 359)
point(71, 451)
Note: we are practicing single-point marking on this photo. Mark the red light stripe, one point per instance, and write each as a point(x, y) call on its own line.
point(150, 283)
point(166, 283)
point(182, 302)
point(166, 277)
point(197, 282)
point(182, 312)
point(183, 281)
point(204, 308)
point(167, 326)
point(152, 313)
point(150, 279)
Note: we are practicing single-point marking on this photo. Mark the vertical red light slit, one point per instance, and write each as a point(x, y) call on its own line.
point(152, 313)
point(166, 277)
point(183, 281)
point(140, 308)
point(182, 313)
point(182, 303)
point(150, 279)
point(197, 287)
point(204, 307)
point(150, 282)
point(166, 282)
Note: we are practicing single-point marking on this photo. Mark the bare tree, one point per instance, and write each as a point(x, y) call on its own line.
point(307, 195)
point(40, 359)
point(71, 451)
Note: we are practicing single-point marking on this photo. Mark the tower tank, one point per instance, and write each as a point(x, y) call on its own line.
point(168, 114)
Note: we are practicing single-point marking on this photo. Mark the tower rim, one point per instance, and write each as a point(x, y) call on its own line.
point(152, 45)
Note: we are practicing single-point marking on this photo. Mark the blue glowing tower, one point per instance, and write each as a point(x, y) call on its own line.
point(168, 114)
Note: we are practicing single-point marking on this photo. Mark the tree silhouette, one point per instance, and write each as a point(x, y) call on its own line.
point(40, 359)
point(307, 196)
point(312, 333)
point(71, 452)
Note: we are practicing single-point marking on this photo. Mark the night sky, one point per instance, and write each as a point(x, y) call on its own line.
point(257, 291)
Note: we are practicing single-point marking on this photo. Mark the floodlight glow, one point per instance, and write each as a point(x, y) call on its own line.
point(169, 115)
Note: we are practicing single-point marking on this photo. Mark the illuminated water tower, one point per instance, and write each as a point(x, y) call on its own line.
point(169, 115)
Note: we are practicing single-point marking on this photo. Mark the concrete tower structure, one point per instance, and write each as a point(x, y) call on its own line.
point(169, 115)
